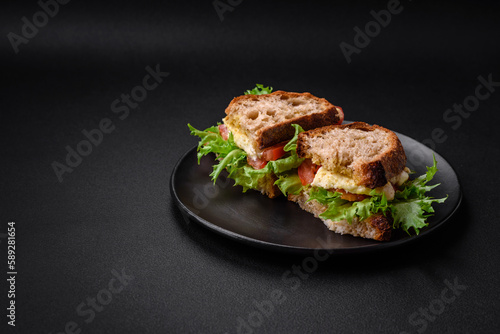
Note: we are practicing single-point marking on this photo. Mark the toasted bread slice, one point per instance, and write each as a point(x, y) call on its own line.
point(377, 227)
point(369, 154)
point(260, 121)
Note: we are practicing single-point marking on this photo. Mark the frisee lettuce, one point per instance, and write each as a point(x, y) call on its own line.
point(212, 142)
point(259, 90)
point(409, 209)
point(233, 159)
point(340, 209)
point(289, 183)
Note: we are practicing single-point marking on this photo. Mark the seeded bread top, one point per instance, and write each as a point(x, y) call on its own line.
point(266, 119)
point(371, 155)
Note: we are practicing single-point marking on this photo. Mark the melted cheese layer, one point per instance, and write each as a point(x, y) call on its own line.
point(331, 180)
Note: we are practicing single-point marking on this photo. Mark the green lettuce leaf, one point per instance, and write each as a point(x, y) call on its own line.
point(248, 177)
point(212, 142)
point(335, 205)
point(418, 187)
point(233, 159)
point(409, 209)
point(228, 153)
point(291, 146)
point(340, 209)
point(325, 197)
point(284, 164)
point(289, 183)
point(259, 90)
point(411, 213)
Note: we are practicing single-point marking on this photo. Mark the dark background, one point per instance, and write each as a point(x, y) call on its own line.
point(115, 211)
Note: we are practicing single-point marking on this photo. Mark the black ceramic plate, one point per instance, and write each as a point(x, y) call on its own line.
point(278, 224)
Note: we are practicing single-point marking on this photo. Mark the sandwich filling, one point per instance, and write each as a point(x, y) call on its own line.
point(403, 199)
point(243, 141)
point(276, 165)
point(331, 180)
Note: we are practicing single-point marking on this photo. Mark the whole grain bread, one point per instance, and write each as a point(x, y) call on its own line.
point(376, 227)
point(266, 119)
point(370, 154)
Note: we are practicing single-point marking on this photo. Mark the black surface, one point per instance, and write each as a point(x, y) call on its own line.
point(115, 211)
point(277, 224)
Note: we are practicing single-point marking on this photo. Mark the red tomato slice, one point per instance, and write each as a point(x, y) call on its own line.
point(223, 131)
point(274, 152)
point(256, 163)
point(307, 171)
point(341, 112)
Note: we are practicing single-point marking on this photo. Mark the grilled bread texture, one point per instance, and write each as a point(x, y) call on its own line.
point(369, 154)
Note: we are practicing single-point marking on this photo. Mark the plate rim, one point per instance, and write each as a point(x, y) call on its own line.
point(297, 249)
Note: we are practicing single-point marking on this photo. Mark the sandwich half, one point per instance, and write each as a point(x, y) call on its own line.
point(354, 178)
point(256, 143)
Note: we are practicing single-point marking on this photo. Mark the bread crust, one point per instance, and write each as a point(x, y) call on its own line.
point(383, 225)
point(375, 173)
point(273, 135)
point(377, 227)
point(277, 133)
point(230, 108)
point(269, 188)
